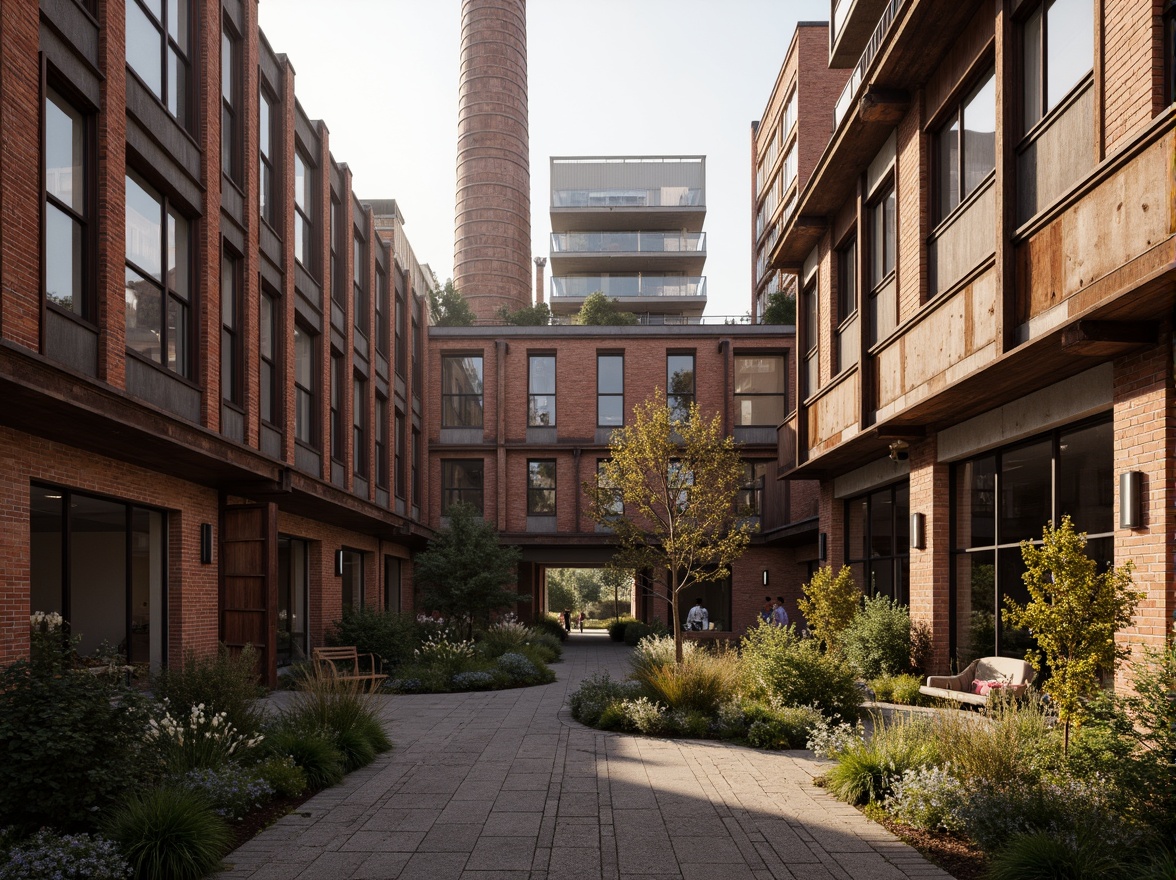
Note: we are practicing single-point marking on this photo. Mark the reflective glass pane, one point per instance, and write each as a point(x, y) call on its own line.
point(63, 260)
point(177, 22)
point(144, 304)
point(177, 336)
point(760, 410)
point(610, 410)
point(177, 91)
point(1069, 30)
point(975, 595)
point(178, 244)
point(97, 572)
point(979, 134)
point(1031, 70)
point(1086, 479)
point(144, 227)
point(610, 371)
point(543, 375)
point(46, 550)
point(881, 524)
point(64, 153)
point(1026, 486)
point(541, 411)
point(856, 544)
point(267, 327)
point(761, 374)
point(144, 48)
point(300, 182)
point(227, 91)
point(1010, 566)
point(947, 160)
point(976, 518)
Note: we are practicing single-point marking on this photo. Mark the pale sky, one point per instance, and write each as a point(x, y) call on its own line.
point(606, 77)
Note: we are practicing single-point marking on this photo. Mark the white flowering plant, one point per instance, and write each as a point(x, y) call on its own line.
point(200, 739)
point(447, 656)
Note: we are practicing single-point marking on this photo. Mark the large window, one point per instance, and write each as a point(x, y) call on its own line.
point(230, 102)
point(359, 270)
point(1057, 52)
point(305, 386)
point(266, 143)
point(541, 391)
point(359, 420)
point(381, 442)
point(750, 499)
point(100, 564)
point(158, 42)
point(759, 389)
point(847, 288)
point(158, 278)
point(679, 385)
point(877, 541)
point(353, 581)
point(270, 397)
point(965, 146)
point(461, 482)
point(882, 236)
point(67, 247)
point(1007, 496)
point(338, 446)
point(461, 391)
point(293, 596)
point(610, 390)
point(304, 201)
point(541, 487)
point(230, 280)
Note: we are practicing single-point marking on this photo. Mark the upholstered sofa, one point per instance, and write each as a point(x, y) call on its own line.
point(996, 673)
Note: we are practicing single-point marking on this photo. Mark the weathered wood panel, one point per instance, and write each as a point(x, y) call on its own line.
point(966, 241)
point(1059, 156)
point(833, 417)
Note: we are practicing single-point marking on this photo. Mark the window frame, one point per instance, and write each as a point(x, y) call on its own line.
point(749, 499)
point(608, 394)
point(360, 302)
point(232, 166)
point(270, 362)
point(231, 326)
point(1045, 110)
point(307, 433)
point(737, 395)
point(381, 307)
point(383, 475)
point(167, 45)
point(338, 411)
point(360, 455)
point(451, 494)
point(462, 398)
point(883, 233)
point(848, 289)
point(542, 498)
point(534, 414)
point(899, 557)
point(304, 212)
point(679, 402)
point(79, 220)
point(956, 118)
point(399, 440)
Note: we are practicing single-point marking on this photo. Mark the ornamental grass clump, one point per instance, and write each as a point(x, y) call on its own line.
point(866, 769)
point(702, 682)
point(169, 833)
point(444, 656)
point(344, 710)
point(198, 739)
point(224, 684)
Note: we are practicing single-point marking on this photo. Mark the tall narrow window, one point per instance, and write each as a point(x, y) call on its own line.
point(399, 441)
point(304, 202)
point(965, 146)
point(352, 581)
point(759, 390)
point(359, 415)
point(461, 391)
point(810, 331)
point(401, 336)
point(679, 385)
point(230, 103)
point(158, 39)
point(847, 288)
point(382, 316)
point(359, 268)
point(417, 348)
point(338, 250)
point(541, 487)
point(381, 442)
point(541, 391)
point(230, 376)
point(610, 390)
point(461, 482)
point(614, 505)
point(67, 228)
point(158, 278)
point(266, 141)
point(416, 466)
point(882, 231)
point(269, 358)
point(305, 386)
point(750, 499)
point(1057, 43)
point(338, 447)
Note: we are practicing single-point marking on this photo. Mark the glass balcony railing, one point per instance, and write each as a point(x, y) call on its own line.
point(659, 197)
point(579, 286)
point(628, 242)
point(849, 92)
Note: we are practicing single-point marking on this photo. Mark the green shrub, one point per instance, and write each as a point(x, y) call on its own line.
point(635, 632)
point(522, 668)
point(782, 667)
point(549, 647)
point(688, 722)
point(1047, 856)
point(503, 637)
point(829, 604)
point(169, 834)
point(345, 711)
point(878, 638)
point(312, 750)
point(232, 791)
point(284, 776)
point(702, 682)
point(390, 635)
point(866, 769)
point(906, 690)
point(927, 797)
point(71, 743)
point(595, 694)
point(645, 716)
point(883, 688)
point(224, 683)
point(787, 727)
point(355, 747)
point(614, 717)
point(48, 855)
point(616, 628)
point(551, 626)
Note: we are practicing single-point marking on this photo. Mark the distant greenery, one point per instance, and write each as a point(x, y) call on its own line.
point(781, 309)
point(449, 308)
point(538, 315)
point(599, 310)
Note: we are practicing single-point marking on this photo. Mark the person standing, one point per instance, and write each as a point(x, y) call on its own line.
point(582, 616)
point(696, 617)
point(766, 611)
point(567, 620)
point(779, 615)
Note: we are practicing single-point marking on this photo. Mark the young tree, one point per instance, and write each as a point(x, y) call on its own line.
point(829, 604)
point(449, 308)
point(1074, 613)
point(465, 572)
point(600, 311)
point(781, 308)
point(668, 493)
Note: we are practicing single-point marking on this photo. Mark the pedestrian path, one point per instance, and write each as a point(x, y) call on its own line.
point(506, 786)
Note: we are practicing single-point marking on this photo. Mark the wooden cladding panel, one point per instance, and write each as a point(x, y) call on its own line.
point(833, 417)
point(964, 243)
point(1057, 157)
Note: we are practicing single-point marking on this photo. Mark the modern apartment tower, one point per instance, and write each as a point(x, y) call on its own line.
point(492, 250)
point(631, 227)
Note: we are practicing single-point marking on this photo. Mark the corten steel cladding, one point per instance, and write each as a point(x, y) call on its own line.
point(492, 253)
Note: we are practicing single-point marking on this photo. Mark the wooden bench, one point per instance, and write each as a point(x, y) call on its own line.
point(1010, 674)
point(330, 660)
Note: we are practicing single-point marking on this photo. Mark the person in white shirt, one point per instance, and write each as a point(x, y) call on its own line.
point(696, 619)
point(779, 615)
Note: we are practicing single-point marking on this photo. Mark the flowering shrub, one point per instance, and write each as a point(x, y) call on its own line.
point(64, 857)
point(472, 681)
point(927, 797)
point(283, 775)
point(199, 740)
point(447, 656)
point(595, 694)
point(232, 790)
point(404, 685)
point(518, 667)
point(645, 716)
point(829, 737)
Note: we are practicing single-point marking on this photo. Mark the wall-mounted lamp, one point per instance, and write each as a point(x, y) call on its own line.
point(900, 450)
point(765, 577)
point(206, 543)
point(338, 563)
point(1131, 500)
point(919, 531)
point(822, 546)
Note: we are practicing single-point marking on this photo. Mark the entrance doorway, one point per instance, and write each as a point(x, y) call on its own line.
point(600, 593)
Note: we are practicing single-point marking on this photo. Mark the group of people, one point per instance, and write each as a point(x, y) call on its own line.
point(567, 620)
point(773, 611)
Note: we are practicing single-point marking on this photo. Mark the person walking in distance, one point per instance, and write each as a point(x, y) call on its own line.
point(582, 616)
point(567, 620)
point(779, 615)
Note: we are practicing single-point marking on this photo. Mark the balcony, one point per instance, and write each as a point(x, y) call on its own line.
point(881, 30)
point(661, 294)
point(586, 253)
point(852, 21)
point(621, 193)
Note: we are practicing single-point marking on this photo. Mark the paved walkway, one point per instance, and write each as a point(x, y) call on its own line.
point(505, 785)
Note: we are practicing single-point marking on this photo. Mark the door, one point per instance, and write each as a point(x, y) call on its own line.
point(249, 583)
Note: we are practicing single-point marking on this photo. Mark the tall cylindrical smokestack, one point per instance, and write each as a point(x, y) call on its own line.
point(493, 228)
point(540, 262)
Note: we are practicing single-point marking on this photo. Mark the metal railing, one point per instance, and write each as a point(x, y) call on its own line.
point(849, 92)
point(629, 285)
point(628, 242)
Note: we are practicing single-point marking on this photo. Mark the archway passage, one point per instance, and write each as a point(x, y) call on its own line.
point(599, 593)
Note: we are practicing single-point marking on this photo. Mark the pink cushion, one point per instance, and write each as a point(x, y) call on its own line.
point(983, 688)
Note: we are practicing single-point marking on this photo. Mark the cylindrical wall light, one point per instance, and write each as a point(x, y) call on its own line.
point(338, 563)
point(919, 531)
point(765, 577)
point(206, 543)
point(1131, 500)
point(822, 546)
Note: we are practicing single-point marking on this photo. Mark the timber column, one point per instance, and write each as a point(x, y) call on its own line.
point(492, 250)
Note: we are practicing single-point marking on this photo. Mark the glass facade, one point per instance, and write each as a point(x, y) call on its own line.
point(877, 541)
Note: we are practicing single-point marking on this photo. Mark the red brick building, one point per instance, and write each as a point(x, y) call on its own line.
point(984, 254)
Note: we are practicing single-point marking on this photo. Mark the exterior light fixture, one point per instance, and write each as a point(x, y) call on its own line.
point(206, 543)
point(919, 531)
point(338, 563)
point(765, 577)
point(822, 546)
point(1131, 500)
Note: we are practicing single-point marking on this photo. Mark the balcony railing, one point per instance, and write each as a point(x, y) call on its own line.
point(580, 286)
point(628, 242)
point(845, 101)
point(660, 197)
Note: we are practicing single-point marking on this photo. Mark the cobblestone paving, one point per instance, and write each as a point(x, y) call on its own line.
point(506, 786)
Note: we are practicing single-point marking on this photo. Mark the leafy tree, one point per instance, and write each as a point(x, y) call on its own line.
point(1074, 613)
point(465, 572)
point(599, 310)
point(781, 308)
point(449, 308)
point(676, 480)
point(829, 604)
point(538, 315)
